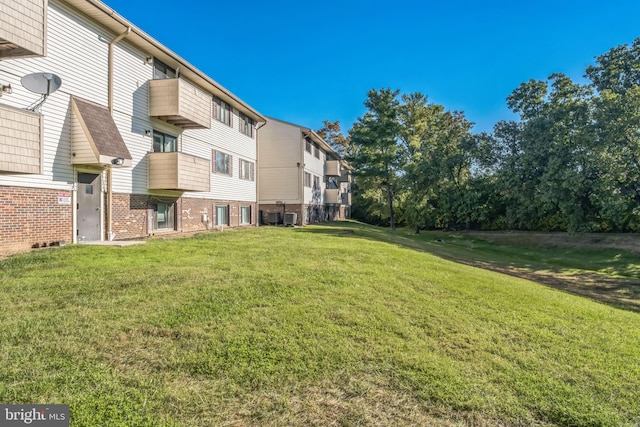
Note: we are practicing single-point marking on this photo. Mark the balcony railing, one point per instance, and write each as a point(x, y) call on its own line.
point(345, 176)
point(332, 168)
point(178, 171)
point(178, 102)
point(20, 141)
point(332, 196)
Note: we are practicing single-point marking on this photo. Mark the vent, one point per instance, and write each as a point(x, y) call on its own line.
point(290, 218)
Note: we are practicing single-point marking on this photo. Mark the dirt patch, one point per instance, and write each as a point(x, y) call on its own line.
point(622, 293)
point(628, 242)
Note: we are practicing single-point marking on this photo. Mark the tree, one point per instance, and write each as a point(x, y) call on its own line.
point(332, 134)
point(373, 149)
point(554, 157)
point(416, 116)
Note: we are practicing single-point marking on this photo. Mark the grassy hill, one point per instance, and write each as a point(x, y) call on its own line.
point(343, 324)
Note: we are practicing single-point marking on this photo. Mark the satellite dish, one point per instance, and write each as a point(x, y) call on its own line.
point(42, 83)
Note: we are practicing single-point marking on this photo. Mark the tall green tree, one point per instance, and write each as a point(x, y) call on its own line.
point(374, 151)
point(416, 118)
point(554, 180)
point(616, 76)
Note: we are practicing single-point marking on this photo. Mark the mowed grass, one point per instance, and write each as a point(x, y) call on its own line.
point(344, 325)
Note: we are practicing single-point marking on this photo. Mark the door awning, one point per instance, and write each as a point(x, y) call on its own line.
point(95, 136)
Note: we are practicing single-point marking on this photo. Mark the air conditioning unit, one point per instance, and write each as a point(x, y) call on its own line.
point(273, 218)
point(290, 218)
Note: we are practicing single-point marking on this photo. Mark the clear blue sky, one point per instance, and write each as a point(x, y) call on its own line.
point(305, 61)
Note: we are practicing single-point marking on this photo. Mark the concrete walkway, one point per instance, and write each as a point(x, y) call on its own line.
point(118, 243)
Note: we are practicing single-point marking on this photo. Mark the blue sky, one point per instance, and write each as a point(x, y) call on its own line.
point(307, 61)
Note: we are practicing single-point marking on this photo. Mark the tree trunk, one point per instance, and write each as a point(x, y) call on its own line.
point(392, 221)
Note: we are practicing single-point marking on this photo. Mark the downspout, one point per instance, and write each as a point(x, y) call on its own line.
point(258, 216)
point(301, 178)
point(112, 43)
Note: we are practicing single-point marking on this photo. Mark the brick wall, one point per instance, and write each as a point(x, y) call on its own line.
point(129, 212)
point(193, 209)
point(34, 216)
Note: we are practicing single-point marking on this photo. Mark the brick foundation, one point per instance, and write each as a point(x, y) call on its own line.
point(34, 216)
point(131, 214)
point(193, 209)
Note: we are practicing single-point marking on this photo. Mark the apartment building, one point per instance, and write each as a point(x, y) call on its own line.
point(130, 141)
point(300, 174)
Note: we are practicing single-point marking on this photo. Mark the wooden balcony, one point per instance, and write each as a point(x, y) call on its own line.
point(332, 196)
point(332, 168)
point(20, 141)
point(178, 171)
point(178, 102)
point(23, 28)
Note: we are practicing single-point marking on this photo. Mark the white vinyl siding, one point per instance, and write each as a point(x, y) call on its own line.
point(280, 167)
point(77, 52)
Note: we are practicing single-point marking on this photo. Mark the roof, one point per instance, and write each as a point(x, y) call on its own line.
point(311, 134)
point(100, 129)
point(103, 14)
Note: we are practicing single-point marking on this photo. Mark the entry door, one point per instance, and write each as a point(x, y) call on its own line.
point(89, 211)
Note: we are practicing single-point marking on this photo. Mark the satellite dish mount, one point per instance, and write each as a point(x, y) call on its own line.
point(44, 84)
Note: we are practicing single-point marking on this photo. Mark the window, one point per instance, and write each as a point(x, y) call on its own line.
point(246, 125)
point(308, 145)
point(246, 170)
point(307, 179)
point(316, 182)
point(163, 216)
point(316, 151)
point(222, 163)
point(222, 215)
point(163, 143)
point(162, 70)
point(222, 111)
point(245, 215)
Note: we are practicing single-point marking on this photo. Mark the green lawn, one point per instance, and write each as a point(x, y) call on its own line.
point(343, 325)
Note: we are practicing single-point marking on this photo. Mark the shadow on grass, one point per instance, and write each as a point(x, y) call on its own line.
point(560, 268)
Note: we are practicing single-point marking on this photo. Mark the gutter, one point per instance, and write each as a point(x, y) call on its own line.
point(112, 43)
point(170, 54)
point(256, 169)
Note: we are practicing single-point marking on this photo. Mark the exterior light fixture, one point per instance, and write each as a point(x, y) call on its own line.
point(118, 161)
point(5, 89)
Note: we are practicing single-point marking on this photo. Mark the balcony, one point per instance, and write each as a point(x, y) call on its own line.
point(178, 171)
point(23, 28)
point(178, 102)
point(332, 168)
point(345, 176)
point(332, 196)
point(20, 141)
